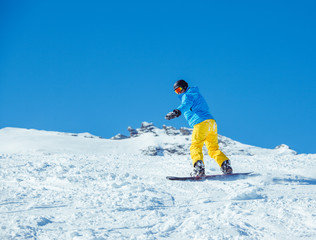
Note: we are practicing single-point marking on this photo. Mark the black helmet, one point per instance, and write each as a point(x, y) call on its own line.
point(180, 83)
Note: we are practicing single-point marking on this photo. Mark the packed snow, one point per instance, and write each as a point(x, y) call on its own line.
point(79, 186)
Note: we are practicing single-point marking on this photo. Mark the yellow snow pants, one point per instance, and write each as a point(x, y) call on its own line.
point(206, 132)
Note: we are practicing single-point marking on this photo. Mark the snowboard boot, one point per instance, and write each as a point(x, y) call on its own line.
point(198, 170)
point(226, 168)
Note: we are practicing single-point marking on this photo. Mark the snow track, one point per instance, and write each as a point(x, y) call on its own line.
point(63, 195)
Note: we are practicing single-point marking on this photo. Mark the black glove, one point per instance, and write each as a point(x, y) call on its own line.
point(172, 115)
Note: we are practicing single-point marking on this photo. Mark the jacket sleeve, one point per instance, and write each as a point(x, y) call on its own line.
point(186, 104)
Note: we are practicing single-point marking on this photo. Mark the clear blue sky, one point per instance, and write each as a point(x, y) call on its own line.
point(101, 66)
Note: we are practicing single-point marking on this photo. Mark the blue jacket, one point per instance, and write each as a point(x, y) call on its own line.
point(194, 107)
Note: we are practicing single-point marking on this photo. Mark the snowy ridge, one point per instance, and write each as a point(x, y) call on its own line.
point(79, 186)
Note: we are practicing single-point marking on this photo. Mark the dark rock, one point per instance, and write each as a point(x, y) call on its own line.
point(133, 132)
point(119, 137)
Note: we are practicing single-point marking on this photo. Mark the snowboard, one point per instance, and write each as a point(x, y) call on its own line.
point(215, 177)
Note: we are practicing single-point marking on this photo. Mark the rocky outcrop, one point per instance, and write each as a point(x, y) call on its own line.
point(119, 137)
point(172, 141)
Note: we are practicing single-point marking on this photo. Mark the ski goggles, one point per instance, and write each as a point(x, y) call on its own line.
point(178, 90)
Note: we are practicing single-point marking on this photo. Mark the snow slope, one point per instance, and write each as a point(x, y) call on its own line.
point(78, 186)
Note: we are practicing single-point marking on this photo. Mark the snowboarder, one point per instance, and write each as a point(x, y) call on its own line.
point(196, 111)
